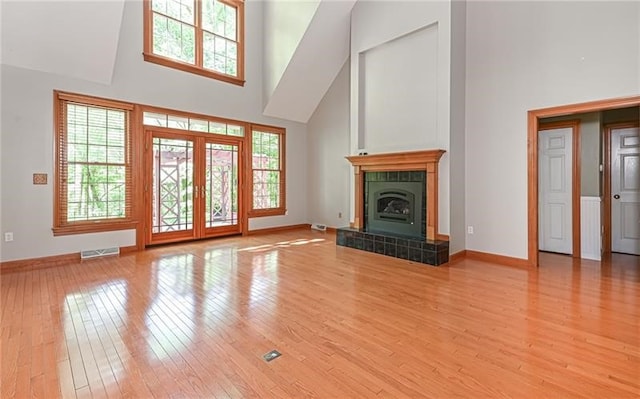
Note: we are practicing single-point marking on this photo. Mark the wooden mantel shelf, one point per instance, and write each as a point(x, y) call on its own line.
point(397, 160)
point(426, 160)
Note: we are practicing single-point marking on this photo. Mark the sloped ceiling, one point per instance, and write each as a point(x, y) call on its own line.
point(319, 56)
point(79, 39)
point(72, 38)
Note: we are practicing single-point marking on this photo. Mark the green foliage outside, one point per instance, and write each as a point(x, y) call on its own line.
point(96, 167)
point(266, 166)
point(174, 33)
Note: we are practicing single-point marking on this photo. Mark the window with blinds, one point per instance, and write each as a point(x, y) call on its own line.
point(93, 189)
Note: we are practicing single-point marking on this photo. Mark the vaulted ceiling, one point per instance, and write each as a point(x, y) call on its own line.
point(71, 38)
point(79, 39)
point(321, 51)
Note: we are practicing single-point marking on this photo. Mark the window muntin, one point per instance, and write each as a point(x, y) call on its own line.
point(199, 36)
point(93, 161)
point(267, 171)
point(197, 124)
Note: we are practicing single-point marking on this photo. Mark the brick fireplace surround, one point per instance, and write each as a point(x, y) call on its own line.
point(429, 250)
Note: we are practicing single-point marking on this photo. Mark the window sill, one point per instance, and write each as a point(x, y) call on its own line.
point(256, 213)
point(95, 227)
point(167, 62)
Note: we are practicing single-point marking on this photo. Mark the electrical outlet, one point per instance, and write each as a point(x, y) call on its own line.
point(470, 229)
point(8, 237)
point(339, 215)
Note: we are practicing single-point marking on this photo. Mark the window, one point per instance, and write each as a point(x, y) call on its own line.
point(194, 124)
point(93, 188)
point(268, 171)
point(204, 37)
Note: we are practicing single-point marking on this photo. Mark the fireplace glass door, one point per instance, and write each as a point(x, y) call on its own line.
point(395, 203)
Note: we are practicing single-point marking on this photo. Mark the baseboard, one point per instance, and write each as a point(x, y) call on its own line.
point(128, 250)
point(13, 266)
point(458, 256)
point(22, 265)
point(499, 259)
point(278, 229)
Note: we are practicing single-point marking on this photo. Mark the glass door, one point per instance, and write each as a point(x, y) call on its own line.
point(219, 190)
point(192, 188)
point(171, 188)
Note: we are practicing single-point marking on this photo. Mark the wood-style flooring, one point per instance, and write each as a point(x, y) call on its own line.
point(194, 320)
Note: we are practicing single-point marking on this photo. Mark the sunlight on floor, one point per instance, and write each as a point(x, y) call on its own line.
point(282, 244)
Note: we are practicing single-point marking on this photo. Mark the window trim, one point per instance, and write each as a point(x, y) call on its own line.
point(63, 227)
point(196, 68)
point(192, 115)
point(282, 209)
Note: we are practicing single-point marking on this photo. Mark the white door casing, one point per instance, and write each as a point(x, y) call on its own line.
point(555, 149)
point(625, 190)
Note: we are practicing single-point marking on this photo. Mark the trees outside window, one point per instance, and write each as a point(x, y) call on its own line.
point(268, 171)
point(199, 36)
point(93, 189)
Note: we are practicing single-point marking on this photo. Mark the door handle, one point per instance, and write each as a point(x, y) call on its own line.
point(617, 196)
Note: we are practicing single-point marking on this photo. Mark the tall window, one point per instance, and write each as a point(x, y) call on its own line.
point(268, 171)
point(93, 190)
point(199, 36)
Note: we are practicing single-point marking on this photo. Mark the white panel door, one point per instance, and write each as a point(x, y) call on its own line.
point(625, 190)
point(554, 190)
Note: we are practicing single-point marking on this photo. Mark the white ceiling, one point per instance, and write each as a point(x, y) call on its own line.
point(79, 39)
point(73, 38)
point(320, 55)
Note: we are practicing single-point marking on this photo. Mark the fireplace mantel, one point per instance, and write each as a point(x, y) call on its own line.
point(426, 160)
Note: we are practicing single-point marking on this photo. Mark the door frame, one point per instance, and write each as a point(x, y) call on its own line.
point(606, 210)
point(533, 117)
point(199, 140)
point(574, 124)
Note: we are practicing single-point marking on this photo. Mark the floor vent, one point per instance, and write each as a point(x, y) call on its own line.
point(318, 226)
point(94, 253)
point(271, 355)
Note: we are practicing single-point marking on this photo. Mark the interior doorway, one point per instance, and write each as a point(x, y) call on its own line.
point(559, 187)
point(622, 188)
point(534, 118)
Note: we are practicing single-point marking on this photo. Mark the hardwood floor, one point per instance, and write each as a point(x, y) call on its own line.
point(194, 320)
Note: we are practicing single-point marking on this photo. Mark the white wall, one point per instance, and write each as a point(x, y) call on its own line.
point(457, 155)
point(328, 145)
point(27, 133)
point(386, 38)
point(399, 80)
point(523, 56)
point(285, 22)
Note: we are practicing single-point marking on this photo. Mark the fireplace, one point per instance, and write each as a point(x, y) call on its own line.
point(396, 207)
point(394, 204)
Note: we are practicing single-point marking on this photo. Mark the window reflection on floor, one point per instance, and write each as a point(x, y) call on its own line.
point(85, 340)
point(218, 306)
point(170, 318)
point(264, 280)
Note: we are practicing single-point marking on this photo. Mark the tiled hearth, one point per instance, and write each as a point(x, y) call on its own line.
point(429, 252)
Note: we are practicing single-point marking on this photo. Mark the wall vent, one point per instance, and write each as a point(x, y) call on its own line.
point(94, 253)
point(318, 226)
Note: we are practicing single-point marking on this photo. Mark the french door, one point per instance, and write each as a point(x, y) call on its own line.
point(192, 186)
